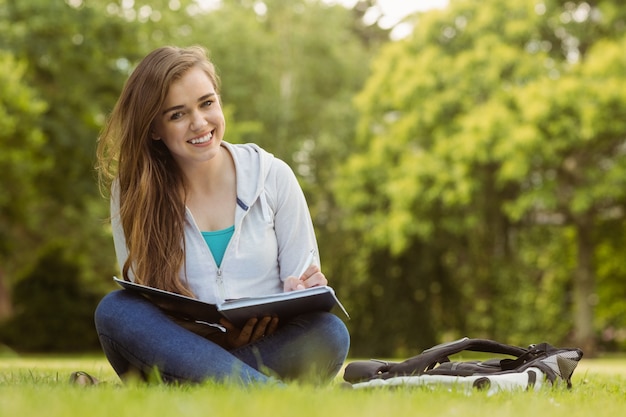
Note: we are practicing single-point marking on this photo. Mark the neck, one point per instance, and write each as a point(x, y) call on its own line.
point(210, 176)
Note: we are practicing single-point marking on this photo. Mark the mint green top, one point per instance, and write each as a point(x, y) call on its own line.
point(218, 241)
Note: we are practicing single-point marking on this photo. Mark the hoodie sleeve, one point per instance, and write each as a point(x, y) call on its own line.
point(292, 220)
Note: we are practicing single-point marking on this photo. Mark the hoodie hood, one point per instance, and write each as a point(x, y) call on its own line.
point(252, 163)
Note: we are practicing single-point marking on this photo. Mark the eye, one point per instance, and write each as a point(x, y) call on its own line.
point(207, 103)
point(176, 115)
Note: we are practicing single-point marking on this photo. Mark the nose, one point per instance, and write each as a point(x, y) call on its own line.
point(198, 121)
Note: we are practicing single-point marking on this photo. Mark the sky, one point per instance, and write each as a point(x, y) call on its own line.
point(395, 10)
point(388, 13)
point(392, 11)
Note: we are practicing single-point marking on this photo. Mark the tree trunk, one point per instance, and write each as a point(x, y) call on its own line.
point(5, 300)
point(584, 288)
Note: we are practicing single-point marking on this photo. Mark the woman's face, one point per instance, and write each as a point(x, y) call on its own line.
point(191, 122)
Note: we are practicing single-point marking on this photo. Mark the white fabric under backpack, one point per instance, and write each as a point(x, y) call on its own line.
point(529, 368)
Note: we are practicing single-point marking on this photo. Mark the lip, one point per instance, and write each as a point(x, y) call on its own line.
point(200, 139)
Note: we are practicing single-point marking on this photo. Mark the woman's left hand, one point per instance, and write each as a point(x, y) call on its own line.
point(312, 277)
point(253, 330)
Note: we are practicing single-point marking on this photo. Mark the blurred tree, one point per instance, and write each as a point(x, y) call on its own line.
point(371, 33)
point(576, 135)
point(77, 58)
point(486, 170)
point(21, 160)
point(487, 141)
point(53, 311)
point(287, 85)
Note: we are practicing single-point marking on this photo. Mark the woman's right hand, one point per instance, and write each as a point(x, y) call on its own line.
point(312, 277)
point(253, 330)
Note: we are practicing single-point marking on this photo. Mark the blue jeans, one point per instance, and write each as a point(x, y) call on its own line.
point(138, 337)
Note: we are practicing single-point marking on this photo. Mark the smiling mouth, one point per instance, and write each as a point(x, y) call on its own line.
point(202, 139)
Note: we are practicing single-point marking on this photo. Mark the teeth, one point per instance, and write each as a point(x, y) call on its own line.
point(203, 139)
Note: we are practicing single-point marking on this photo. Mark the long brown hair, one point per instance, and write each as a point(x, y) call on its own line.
point(151, 189)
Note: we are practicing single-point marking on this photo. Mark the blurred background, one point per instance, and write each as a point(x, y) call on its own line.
point(465, 163)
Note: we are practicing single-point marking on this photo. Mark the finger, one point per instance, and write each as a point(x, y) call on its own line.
point(261, 327)
point(311, 270)
point(246, 332)
point(292, 283)
point(272, 326)
point(316, 280)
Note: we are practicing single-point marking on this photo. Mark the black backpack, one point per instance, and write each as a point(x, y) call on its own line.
point(527, 369)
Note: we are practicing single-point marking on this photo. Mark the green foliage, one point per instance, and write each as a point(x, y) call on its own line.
point(22, 158)
point(611, 292)
point(53, 312)
point(473, 186)
point(288, 75)
point(72, 56)
point(494, 137)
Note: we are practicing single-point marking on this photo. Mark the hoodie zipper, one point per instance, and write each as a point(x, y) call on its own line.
point(220, 284)
point(219, 279)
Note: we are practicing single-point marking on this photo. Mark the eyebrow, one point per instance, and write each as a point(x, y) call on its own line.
point(180, 106)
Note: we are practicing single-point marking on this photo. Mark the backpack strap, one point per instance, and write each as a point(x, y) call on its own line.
point(428, 359)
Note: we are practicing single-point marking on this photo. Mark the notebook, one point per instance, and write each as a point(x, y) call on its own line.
point(238, 311)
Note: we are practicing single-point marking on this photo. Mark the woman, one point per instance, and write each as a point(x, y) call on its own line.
point(196, 215)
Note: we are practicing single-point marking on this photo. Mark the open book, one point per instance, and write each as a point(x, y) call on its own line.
point(238, 311)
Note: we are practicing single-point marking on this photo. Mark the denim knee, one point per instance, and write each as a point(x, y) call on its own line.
point(336, 335)
point(108, 309)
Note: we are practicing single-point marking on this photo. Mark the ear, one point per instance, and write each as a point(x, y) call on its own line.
point(154, 136)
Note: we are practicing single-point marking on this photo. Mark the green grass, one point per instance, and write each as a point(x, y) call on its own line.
point(31, 386)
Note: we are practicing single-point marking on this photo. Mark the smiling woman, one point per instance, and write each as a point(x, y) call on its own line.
point(191, 123)
point(174, 182)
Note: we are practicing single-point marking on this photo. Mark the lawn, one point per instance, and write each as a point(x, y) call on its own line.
point(38, 386)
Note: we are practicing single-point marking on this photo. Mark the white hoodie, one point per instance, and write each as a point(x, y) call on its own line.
point(272, 238)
